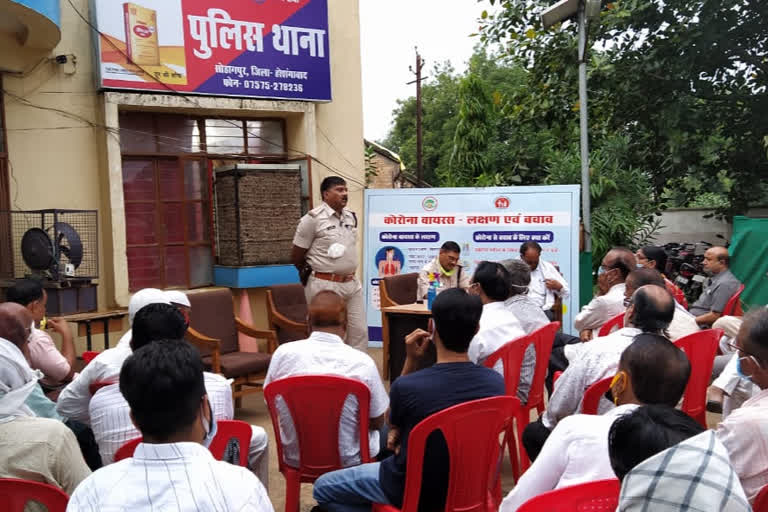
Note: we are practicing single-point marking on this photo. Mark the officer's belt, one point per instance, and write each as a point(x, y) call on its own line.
point(336, 278)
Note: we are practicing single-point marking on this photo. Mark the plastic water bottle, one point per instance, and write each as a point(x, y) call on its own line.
point(431, 294)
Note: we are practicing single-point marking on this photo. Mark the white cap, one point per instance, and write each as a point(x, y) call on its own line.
point(143, 298)
point(177, 297)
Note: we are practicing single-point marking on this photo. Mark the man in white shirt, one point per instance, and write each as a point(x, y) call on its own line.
point(650, 310)
point(651, 371)
point(745, 431)
point(109, 412)
point(683, 323)
point(324, 353)
point(613, 271)
point(172, 468)
point(546, 282)
point(73, 400)
point(498, 326)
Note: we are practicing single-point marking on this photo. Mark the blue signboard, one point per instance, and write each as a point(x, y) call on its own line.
point(406, 227)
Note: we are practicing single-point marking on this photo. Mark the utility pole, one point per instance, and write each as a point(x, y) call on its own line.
point(419, 152)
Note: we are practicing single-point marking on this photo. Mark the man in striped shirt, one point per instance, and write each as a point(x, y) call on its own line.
point(109, 411)
point(171, 469)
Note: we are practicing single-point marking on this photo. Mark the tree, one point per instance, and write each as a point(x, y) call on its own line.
point(469, 156)
point(685, 81)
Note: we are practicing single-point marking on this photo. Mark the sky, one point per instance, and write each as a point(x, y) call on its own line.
point(389, 30)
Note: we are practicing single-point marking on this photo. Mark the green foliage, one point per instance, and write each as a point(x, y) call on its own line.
point(623, 206)
point(685, 80)
point(469, 157)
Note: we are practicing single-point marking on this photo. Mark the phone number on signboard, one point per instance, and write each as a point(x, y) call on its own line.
point(273, 86)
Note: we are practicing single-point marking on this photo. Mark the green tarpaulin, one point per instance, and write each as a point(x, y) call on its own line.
point(749, 259)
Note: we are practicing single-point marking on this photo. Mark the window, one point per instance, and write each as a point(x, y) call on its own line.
point(167, 190)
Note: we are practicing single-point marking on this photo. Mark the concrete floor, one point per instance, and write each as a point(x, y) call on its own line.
point(254, 411)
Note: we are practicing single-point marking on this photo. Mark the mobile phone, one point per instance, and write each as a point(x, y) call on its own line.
point(431, 329)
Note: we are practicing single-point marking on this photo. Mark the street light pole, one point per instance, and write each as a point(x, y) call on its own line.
point(583, 129)
point(584, 10)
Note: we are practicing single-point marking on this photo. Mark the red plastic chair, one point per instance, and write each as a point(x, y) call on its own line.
point(593, 394)
point(226, 430)
point(511, 354)
point(471, 432)
point(700, 347)
point(597, 496)
point(127, 449)
point(89, 355)
point(15, 493)
point(616, 322)
point(733, 302)
point(761, 501)
point(315, 403)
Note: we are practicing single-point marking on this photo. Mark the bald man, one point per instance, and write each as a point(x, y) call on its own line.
point(15, 322)
point(15, 327)
point(613, 271)
point(650, 310)
point(324, 353)
point(719, 289)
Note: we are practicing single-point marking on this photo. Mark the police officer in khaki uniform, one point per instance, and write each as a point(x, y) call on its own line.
point(325, 252)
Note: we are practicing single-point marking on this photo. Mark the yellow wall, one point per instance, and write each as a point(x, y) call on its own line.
point(68, 160)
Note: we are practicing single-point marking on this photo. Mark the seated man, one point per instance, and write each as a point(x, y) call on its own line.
point(613, 271)
point(109, 411)
point(498, 325)
point(57, 366)
point(651, 371)
point(728, 390)
point(140, 299)
point(454, 379)
point(745, 431)
point(546, 282)
point(650, 310)
point(683, 323)
point(719, 289)
point(445, 267)
point(171, 469)
point(324, 353)
point(38, 449)
point(15, 321)
point(520, 303)
point(655, 258)
point(666, 464)
point(73, 400)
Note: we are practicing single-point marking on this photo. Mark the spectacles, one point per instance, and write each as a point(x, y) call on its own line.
point(627, 302)
point(740, 350)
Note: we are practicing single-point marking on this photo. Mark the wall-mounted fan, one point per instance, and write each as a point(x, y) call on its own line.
point(42, 254)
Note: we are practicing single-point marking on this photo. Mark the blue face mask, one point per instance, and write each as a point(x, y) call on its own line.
point(744, 376)
point(640, 265)
point(211, 429)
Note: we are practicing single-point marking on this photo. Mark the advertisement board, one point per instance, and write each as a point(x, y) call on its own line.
point(253, 48)
point(406, 227)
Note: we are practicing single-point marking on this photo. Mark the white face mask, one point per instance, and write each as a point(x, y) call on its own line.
point(211, 428)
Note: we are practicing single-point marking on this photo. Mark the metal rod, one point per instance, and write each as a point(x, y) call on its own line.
point(583, 130)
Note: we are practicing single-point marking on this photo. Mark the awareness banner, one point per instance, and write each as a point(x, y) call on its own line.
point(406, 227)
point(253, 48)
